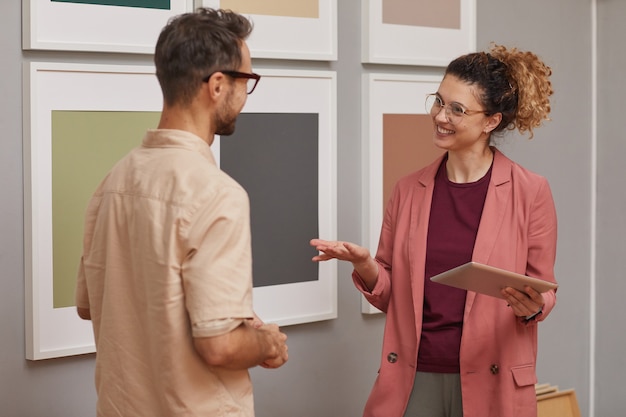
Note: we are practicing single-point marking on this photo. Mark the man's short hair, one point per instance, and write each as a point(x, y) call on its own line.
point(194, 45)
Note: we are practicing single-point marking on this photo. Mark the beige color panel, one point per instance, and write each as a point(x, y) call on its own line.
point(286, 8)
point(439, 14)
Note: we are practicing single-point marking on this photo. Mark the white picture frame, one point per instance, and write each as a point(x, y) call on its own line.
point(66, 26)
point(384, 94)
point(303, 91)
point(57, 332)
point(385, 43)
point(285, 37)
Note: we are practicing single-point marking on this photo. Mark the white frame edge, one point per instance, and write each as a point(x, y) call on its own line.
point(34, 34)
point(387, 44)
point(283, 37)
point(373, 107)
point(41, 342)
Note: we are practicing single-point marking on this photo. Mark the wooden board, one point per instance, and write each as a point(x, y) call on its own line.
point(558, 404)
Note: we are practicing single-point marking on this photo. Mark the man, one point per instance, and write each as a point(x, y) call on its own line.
point(166, 274)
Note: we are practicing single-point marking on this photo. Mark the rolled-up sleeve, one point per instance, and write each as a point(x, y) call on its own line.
point(217, 272)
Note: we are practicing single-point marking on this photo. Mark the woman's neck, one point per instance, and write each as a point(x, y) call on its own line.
point(468, 167)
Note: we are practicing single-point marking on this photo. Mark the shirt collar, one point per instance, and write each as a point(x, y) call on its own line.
point(173, 138)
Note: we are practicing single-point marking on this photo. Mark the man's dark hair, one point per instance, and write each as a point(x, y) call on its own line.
point(194, 45)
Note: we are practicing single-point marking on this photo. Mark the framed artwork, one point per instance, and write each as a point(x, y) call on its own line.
point(287, 29)
point(79, 119)
point(130, 26)
point(397, 140)
point(69, 111)
point(418, 32)
point(283, 152)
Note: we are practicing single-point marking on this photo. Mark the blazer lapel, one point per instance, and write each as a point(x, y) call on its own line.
point(418, 233)
point(498, 197)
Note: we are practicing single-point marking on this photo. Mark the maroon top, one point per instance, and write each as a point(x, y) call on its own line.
point(454, 219)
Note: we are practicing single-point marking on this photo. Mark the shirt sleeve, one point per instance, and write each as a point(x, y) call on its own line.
point(217, 271)
point(215, 327)
point(81, 295)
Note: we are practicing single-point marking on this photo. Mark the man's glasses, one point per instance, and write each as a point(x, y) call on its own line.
point(454, 111)
point(252, 79)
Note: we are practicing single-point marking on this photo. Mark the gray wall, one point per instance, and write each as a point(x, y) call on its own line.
point(560, 32)
point(333, 363)
point(610, 361)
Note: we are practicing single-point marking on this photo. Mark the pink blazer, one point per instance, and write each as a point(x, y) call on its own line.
point(517, 231)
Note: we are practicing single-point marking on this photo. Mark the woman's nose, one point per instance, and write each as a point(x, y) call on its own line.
point(442, 115)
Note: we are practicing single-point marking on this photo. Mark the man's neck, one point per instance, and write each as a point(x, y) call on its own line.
point(186, 119)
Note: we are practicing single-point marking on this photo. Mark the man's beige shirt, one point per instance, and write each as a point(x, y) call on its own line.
point(166, 257)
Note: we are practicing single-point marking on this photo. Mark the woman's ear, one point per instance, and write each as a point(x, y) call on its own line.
point(492, 122)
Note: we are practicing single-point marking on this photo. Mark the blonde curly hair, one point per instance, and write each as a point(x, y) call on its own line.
point(512, 82)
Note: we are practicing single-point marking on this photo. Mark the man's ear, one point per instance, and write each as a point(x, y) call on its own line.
point(216, 85)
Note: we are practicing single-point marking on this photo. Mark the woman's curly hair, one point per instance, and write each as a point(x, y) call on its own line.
point(511, 82)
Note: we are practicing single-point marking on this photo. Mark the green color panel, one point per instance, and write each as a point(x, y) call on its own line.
point(85, 145)
point(146, 4)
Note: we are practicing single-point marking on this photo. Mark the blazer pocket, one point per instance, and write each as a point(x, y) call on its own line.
point(524, 375)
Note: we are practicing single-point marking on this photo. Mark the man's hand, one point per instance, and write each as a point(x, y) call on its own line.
point(281, 351)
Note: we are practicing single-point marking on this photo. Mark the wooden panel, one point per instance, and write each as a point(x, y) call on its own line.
point(558, 404)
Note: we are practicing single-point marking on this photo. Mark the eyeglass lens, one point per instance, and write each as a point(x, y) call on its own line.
point(251, 84)
point(453, 111)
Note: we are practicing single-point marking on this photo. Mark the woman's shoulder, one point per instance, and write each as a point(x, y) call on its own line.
point(423, 175)
point(507, 169)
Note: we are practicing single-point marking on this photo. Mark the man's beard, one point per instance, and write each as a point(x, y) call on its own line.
point(224, 121)
point(225, 127)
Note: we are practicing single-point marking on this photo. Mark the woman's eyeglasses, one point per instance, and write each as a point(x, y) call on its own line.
point(454, 111)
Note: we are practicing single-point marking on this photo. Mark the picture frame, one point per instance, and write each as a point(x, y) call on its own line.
point(417, 33)
point(50, 88)
point(285, 29)
point(282, 91)
point(395, 142)
point(122, 26)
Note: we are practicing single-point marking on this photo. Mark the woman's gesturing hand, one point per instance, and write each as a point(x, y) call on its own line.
point(344, 251)
point(359, 256)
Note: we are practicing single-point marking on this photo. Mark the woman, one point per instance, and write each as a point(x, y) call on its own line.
point(449, 352)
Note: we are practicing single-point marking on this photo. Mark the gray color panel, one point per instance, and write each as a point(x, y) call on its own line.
point(275, 158)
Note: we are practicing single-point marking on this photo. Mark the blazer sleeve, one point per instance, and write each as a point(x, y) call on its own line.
point(542, 238)
point(380, 294)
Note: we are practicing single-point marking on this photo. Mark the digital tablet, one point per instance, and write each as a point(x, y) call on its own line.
point(489, 280)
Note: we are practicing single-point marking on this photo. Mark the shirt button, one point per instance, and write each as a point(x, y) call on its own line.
point(392, 357)
point(494, 369)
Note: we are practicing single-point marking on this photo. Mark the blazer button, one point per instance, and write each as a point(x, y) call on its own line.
point(392, 357)
point(495, 369)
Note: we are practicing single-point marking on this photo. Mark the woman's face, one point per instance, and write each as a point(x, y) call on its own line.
point(460, 132)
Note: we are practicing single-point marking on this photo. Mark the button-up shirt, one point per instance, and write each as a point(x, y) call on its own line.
point(166, 257)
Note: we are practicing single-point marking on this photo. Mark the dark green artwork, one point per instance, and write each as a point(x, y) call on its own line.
point(146, 4)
